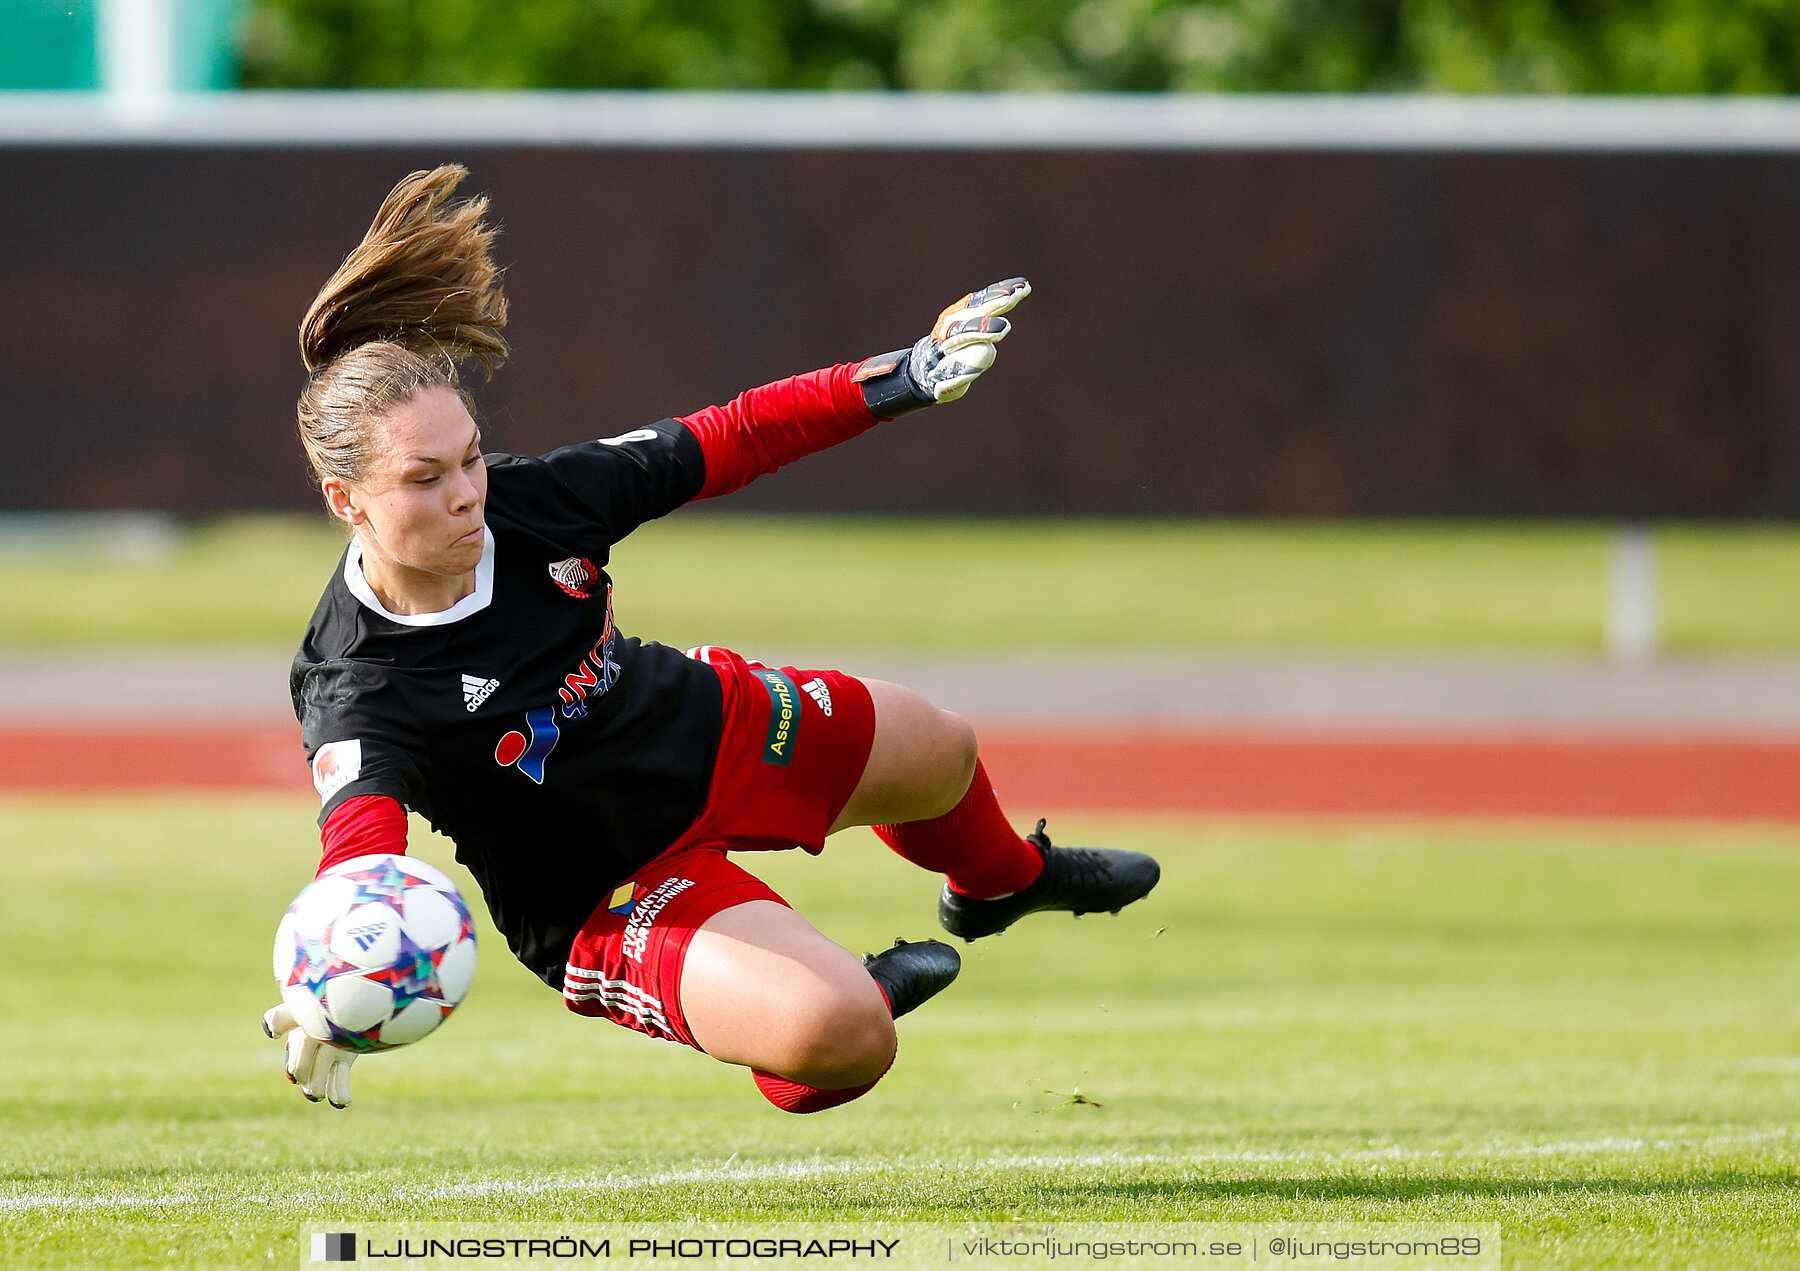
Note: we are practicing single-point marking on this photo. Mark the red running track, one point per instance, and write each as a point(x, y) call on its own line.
point(1207, 773)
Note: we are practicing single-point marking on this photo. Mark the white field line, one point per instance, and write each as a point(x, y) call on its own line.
point(825, 1169)
point(958, 1023)
point(35, 1203)
point(756, 1173)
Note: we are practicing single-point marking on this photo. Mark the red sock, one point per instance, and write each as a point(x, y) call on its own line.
point(791, 1096)
point(972, 845)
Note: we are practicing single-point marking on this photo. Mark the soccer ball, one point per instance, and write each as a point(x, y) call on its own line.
point(375, 952)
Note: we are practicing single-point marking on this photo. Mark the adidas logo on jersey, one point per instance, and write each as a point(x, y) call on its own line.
point(476, 691)
point(815, 689)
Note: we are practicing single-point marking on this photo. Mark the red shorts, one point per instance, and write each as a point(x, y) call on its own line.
point(793, 747)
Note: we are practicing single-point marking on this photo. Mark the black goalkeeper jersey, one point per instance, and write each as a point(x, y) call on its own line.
point(558, 754)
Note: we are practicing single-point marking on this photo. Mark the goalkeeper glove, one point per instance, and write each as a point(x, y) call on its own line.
point(940, 367)
point(321, 1070)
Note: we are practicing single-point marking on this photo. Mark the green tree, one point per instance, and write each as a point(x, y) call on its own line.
point(554, 44)
point(1589, 46)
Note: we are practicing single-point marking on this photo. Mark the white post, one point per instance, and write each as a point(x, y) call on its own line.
point(1633, 621)
point(135, 50)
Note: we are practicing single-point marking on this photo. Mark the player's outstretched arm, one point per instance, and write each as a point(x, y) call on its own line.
point(321, 1070)
point(942, 365)
point(769, 427)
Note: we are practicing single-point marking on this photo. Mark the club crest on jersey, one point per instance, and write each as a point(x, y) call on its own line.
point(594, 674)
point(575, 575)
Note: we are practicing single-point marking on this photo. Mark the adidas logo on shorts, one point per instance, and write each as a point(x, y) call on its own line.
point(815, 689)
point(476, 691)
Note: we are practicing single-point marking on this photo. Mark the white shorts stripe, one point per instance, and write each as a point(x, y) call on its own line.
point(582, 977)
point(616, 1003)
point(583, 984)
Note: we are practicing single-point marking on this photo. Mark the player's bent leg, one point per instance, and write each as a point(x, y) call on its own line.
point(762, 987)
point(920, 761)
point(928, 797)
point(993, 876)
point(1077, 880)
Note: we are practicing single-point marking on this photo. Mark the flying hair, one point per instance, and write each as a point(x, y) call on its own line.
point(423, 277)
point(418, 297)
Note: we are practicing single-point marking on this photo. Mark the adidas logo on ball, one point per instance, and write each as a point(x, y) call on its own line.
point(366, 936)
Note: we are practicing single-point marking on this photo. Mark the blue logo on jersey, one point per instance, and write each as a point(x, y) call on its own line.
point(529, 756)
point(594, 674)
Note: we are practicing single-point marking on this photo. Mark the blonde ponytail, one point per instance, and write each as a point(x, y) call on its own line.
point(419, 295)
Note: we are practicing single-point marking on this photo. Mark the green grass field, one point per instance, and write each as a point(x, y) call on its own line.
point(1588, 1035)
point(798, 582)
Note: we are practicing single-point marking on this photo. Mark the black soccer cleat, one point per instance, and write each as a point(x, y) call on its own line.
point(912, 974)
point(1082, 880)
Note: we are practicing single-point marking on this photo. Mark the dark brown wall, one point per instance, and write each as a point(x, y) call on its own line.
point(1212, 332)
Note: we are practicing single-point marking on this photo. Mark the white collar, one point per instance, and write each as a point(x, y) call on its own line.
point(474, 602)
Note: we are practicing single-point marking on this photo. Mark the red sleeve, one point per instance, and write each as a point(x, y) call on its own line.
point(766, 427)
point(358, 827)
